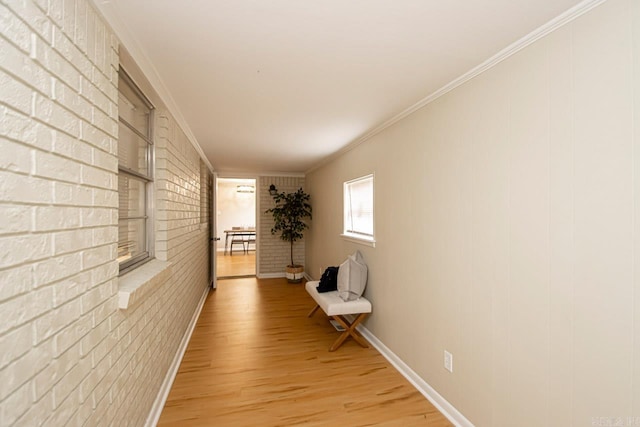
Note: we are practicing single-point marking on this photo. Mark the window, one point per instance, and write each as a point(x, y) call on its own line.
point(205, 194)
point(135, 174)
point(358, 209)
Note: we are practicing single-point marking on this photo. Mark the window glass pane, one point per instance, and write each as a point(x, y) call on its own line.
point(132, 197)
point(131, 239)
point(359, 206)
point(135, 173)
point(132, 109)
point(204, 193)
point(133, 151)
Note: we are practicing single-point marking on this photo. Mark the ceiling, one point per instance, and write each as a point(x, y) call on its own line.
point(280, 85)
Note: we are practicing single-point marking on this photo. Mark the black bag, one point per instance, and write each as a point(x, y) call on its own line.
point(329, 280)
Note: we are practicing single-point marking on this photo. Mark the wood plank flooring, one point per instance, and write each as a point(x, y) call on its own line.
point(255, 359)
point(238, 264)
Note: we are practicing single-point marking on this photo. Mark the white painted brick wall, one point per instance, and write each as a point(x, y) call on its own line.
point(68, 355)
point(274, 253)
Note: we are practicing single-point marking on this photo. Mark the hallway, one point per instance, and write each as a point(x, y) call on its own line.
point(256, 359)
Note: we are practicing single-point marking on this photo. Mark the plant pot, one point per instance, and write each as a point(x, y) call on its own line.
point(294, 273)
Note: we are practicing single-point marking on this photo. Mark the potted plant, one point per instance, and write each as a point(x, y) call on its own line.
point(288, 215)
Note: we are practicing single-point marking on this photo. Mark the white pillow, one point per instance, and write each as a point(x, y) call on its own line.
point(352, 277)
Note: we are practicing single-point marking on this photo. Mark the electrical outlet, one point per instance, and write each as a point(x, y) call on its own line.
point(448, 361)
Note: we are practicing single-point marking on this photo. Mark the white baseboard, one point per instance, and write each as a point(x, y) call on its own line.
point(447, 409)
point(163, 393)
point(270, 275)
point(278, 275)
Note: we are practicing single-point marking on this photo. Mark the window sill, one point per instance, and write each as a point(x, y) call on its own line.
point(136, 284)
point(359, 239)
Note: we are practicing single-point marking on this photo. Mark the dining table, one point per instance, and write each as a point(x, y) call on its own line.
point(237, 231)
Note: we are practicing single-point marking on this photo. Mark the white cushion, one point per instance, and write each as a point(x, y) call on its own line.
point(352, 277)
point(333, 305)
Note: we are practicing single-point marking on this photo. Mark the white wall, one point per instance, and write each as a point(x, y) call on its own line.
point(506, 228)
point(68, 355)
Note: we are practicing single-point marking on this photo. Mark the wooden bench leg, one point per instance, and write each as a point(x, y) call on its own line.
point(313, 311)
point(350, 331)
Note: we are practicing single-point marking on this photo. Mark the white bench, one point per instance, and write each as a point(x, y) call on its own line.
point(336, 308)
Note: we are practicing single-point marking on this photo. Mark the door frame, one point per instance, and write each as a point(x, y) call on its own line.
point(256, 179)
point(213, 236)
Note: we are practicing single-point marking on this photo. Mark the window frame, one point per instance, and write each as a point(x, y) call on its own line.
point(354, 236)
point(205, 199)
point(148, 179)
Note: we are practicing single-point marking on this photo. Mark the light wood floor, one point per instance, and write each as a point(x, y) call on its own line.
point(238, 264)
point(255, 359)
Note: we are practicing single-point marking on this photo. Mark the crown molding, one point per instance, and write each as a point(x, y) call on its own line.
point(246, 174)
point(557, 22)
point(283, 174)
point(109, 14)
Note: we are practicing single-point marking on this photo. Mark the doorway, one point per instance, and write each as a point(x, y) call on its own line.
point(236, 225)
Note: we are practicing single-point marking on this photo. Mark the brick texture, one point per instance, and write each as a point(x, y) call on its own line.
point(274, 254)
point(68, 355)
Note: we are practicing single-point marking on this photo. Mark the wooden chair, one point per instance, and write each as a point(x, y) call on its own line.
point(251, 240)
point(238, 240)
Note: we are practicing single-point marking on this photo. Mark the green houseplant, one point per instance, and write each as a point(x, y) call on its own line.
point(288, 216)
